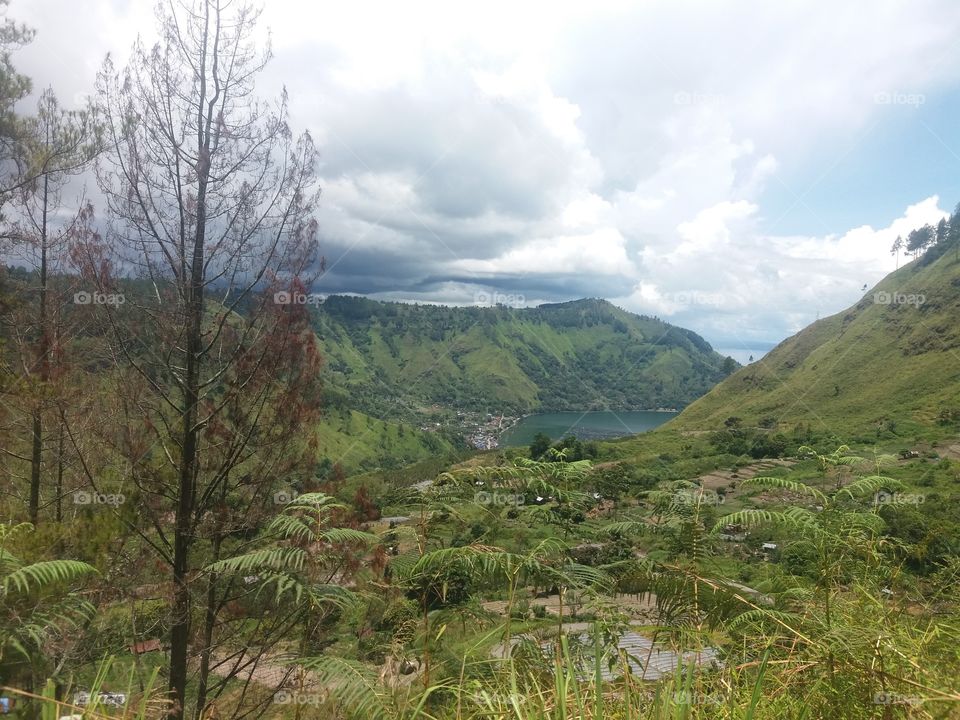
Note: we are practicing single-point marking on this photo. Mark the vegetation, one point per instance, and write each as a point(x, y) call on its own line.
point(203, 523)
point(895, 379)
point(394, 359)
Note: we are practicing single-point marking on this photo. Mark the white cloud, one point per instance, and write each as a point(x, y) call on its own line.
point(600, 252)
point(741, 282)
point(608, 148)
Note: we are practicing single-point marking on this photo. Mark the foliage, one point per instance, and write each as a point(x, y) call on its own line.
point(36, 603)
point(555, 357)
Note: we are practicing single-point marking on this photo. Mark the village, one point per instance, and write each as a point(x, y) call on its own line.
point(480, 430)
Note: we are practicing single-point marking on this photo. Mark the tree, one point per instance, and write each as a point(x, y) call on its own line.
point(57, 144)
point(953, 230)
point(920, 239)
point(729, 366)
point(942, 232)
point(297, 563)
point(540, 445)
point(14, 86)
point(845, 545)
point(898, 245)
point(210, 198)
point(839, 458)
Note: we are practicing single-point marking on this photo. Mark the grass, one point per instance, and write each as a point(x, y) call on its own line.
point(852, 373)
point(567, 356)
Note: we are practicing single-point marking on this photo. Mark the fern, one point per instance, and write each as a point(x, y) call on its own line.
point(352, 684)
point(43, 574)
point(785, 484)
point(868, 486)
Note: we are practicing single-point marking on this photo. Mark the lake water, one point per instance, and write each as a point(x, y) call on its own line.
point(585, 425)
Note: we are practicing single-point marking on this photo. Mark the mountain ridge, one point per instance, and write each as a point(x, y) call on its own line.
point(888, 362)
point(579, 354)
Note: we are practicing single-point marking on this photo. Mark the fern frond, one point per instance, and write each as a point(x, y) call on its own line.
point(785, 484)
point(42, 574)
point(285, 559)
point(352, 684)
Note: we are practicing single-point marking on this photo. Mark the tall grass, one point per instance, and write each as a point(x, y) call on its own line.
point(141, 705)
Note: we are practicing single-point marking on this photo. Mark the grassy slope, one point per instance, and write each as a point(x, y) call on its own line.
point(852, 371)
point(358, 441)
point(564, 356)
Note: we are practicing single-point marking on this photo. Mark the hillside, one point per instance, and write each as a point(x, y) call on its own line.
point(359, 442)
point(392, 359)
point(890, 362)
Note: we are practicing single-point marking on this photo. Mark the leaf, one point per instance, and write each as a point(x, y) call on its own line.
point(42, 574)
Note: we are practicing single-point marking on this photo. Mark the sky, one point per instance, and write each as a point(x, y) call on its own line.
point(737, 168)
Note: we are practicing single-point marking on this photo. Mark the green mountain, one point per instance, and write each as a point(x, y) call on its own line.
point(395, 358)
point(889, 364)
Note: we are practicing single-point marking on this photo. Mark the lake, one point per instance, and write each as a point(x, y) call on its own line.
point(585, 425)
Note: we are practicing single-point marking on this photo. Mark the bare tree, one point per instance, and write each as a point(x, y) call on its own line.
point(210, 199)
point(57, 145)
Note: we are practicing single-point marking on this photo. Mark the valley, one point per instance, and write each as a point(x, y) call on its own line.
point(674, 549)
point(480, 362)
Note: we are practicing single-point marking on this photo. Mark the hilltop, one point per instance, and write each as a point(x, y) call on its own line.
point(395, 358)
point(888, 365)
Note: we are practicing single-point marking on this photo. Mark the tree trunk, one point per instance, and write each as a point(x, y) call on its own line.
point(59, 505)
point(209, 623)
point(36, 456)
point(180, 632)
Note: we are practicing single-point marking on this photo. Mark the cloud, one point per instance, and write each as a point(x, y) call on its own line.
point(563, 149)
point(742, 283)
